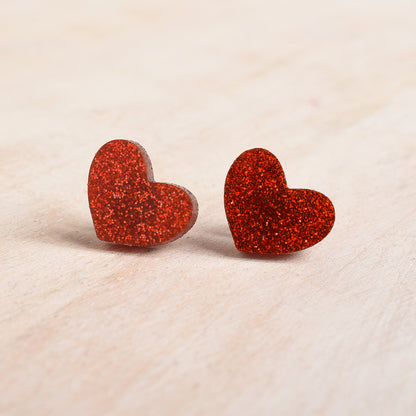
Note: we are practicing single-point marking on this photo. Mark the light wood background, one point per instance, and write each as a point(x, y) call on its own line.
point(195, 327)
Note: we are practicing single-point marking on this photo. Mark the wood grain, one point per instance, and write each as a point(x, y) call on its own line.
point(195, 327)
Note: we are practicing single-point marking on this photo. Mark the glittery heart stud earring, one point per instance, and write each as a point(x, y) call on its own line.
point(267, 217)
point(127, 206)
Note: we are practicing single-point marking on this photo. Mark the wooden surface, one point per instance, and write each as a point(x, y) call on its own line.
point(195, 327)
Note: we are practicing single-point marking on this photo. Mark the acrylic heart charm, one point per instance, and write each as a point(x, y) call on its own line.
point(127, 206)
point(267, 217)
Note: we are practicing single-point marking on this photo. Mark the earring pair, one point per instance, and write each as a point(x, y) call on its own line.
point(265, 216)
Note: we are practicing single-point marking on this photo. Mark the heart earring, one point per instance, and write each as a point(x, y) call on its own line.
point(267, 217)
point(127, 206)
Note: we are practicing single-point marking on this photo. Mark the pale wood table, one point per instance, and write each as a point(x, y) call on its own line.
point(195, 327)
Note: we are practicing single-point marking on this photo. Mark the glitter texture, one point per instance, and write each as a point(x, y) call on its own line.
point(127, 206)
point(267, 217)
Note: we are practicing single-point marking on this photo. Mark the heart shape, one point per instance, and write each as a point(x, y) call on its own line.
point(267, 217)
point(127, 206)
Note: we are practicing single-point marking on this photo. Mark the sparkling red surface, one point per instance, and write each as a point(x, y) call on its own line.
point(127, 206)
point(267, 217)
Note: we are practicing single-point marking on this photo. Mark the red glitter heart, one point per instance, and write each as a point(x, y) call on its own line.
point(267, 217)
point(127, 206)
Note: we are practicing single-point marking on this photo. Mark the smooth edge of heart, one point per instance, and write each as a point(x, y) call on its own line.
point(150, 178)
